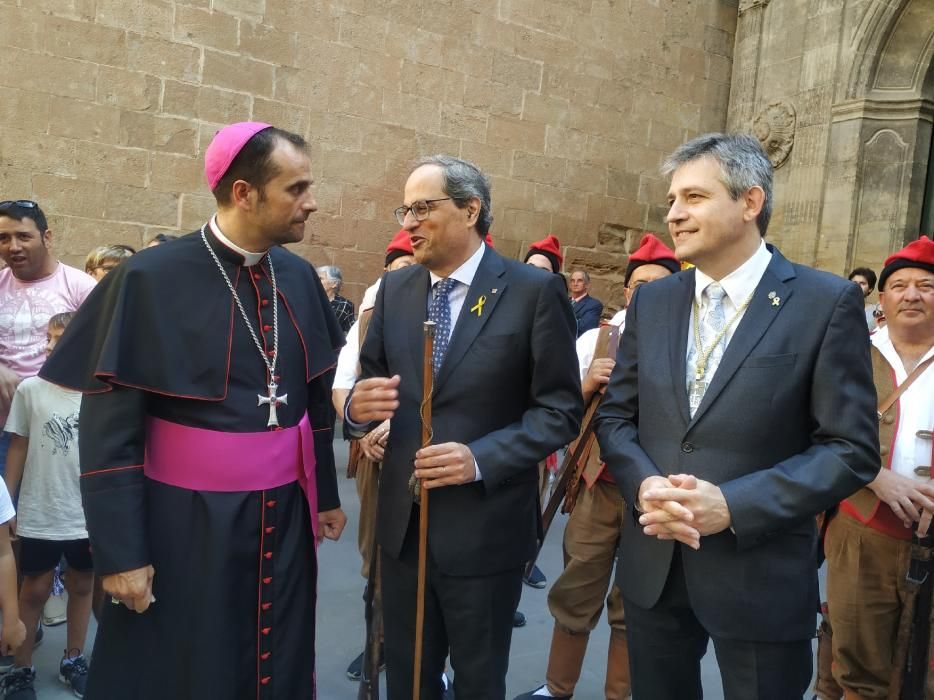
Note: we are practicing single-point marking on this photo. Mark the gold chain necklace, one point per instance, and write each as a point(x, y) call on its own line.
point(704, 355)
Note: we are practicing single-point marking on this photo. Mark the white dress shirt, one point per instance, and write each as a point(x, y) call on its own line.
point(587, 343)
point(464, 275)
point(345, 376)
point(738, 285)
point(915, 411)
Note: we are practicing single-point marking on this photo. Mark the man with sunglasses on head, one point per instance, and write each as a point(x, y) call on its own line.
point(505, 394)
point(34, 286)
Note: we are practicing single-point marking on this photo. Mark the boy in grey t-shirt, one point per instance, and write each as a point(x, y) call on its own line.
point(42, 465)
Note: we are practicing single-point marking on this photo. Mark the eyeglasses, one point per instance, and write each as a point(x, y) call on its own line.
point(420, 209)
point(25, 203)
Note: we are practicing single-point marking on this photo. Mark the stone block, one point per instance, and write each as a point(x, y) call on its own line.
point(164, 59)
point(351, 167)
point(158, 133)
point(148, 17)
point(15, 184)
point(463, 123)
point(546, 109)
point(236, 72)
point(140, 205)
point(379, 70)
point(508, 132)
point(32, 72)
point(128, 89)
point(359, 265)
point(355, 99)
point(37, 153)
point(491, 160)
point(523, 225)
point(73, 9)
point(336, 131)
point(364, 31)
point(508, 193)
point(539, 169)
point(196, 210)
point(300, 86)
point(542, 46)
point(172, 173)
point(265, 43)
point(71, 196)
point(281, 114)
point(249, 9)
point(490, 33)
point(179, 99)
point(24, 109)
point(517, 72)
point(572, 232)
point(80, 236)
point(84, 120)
point(426, 81)
point(103, 163)
point(586, 177)
point(460, 55)
point(21, 28)
point(555, 200)
point(506, 101)
point(564, 143)
point(206, 28)
point(85, 41)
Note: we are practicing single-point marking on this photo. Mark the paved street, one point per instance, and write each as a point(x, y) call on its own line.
point(340, 625)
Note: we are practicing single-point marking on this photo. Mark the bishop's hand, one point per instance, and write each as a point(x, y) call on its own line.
point(374, 399)
point(132, 588)
point(331, 524)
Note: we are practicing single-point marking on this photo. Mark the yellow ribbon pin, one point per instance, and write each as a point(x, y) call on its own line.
point(478, 307)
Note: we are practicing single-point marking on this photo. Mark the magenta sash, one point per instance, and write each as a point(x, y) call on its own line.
point(211, 460)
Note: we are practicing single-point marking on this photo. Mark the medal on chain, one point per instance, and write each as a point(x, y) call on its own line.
point(270, 398)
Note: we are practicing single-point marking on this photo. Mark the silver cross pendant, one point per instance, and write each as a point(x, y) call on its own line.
point(273, 401)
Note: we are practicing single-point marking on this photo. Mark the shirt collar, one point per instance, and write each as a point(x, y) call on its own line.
point(466, 272)
point(740, 283)
point(883, 342)
point(249, 259)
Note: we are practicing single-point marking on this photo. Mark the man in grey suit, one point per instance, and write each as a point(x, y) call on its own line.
point(739, 408)
point(506, 394)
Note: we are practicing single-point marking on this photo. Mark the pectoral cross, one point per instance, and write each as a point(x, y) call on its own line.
point(273, 401)
point(698, 389)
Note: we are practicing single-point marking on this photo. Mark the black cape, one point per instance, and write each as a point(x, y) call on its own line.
point(235, 572)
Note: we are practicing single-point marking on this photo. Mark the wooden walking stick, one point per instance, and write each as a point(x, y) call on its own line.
point(427, 387)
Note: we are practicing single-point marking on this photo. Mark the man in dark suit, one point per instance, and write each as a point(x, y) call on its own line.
point(740, 407)
point(506, 394)
point(587, 309)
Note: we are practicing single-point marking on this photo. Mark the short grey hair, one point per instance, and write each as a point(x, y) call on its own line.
point(583, 272)
point(743, 164)
point(462, 181)
point(332, 273)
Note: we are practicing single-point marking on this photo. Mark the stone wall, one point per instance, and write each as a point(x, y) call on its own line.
point(108, 105)
point(845, 92)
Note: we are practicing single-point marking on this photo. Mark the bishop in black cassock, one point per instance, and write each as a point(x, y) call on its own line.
point(161, 348)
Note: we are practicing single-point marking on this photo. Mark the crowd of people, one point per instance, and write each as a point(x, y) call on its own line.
point(730, 423)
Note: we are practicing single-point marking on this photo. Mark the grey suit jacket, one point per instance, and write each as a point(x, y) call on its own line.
point(787, 429)
point(508, 388)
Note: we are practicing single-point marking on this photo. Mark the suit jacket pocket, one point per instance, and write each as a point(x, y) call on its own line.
point(770, 360)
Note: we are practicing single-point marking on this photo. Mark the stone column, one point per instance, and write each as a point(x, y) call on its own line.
point(746, 59)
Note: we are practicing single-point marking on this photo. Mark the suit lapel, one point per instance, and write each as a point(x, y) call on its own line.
point(760, 314)
point(473, 315)
point(679, 313)
point(412, 301)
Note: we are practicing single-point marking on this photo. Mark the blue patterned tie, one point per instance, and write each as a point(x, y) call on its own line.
point(440, 312)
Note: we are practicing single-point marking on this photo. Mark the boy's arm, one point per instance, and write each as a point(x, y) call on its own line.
point(14, 631)
point(15, 461)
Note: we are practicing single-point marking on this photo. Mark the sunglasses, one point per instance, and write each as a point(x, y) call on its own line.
point(25, 203)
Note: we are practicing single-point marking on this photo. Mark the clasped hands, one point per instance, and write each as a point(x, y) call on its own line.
point(682, 507)
point(447, 464)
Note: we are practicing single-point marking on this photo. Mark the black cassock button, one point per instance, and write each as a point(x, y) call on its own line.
point(687, 447)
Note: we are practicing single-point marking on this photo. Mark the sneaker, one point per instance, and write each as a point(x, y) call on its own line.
point(17, 684)
point(535, 578)
point(55, 611)
point(73, 671)
point(518, 619)
point(355, 670)
point(541, 692)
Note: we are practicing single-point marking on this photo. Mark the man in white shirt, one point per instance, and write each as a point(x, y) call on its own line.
point(868, 544)
point(739, 408)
